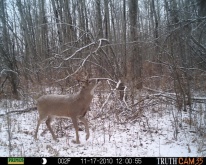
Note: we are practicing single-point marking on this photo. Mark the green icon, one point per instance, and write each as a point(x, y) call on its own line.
point(15, 160)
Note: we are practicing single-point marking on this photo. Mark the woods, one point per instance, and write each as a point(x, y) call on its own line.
point(154, 46)
point(129, 40)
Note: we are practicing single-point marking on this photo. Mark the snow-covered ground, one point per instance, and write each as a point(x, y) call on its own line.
point(149, 134)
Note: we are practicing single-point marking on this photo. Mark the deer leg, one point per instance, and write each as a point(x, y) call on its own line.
point(48, 123)
point(41, 117)
point(74, 121)
point(37, 128)
point(86, 126)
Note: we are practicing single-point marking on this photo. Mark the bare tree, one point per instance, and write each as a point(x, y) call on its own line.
point(9, 70)
point(135, 59)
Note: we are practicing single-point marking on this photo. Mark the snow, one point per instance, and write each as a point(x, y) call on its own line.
point(151, 134)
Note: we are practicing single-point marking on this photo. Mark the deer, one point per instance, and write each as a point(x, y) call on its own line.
point(74, 106)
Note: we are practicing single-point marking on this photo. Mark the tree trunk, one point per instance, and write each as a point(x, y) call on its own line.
point(135, 59)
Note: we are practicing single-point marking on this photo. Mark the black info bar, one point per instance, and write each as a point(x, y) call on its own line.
point(103, 160)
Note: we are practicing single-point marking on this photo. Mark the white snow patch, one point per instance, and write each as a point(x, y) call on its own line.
point(149, 135)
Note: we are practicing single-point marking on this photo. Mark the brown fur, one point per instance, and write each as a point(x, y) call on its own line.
point(74, 106)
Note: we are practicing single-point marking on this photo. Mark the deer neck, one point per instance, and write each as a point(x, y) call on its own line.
point(85, 95)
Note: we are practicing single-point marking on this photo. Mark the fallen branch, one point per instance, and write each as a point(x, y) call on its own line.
point(21, 111)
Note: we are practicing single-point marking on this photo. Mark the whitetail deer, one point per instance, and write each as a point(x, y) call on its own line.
point(74, 106)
